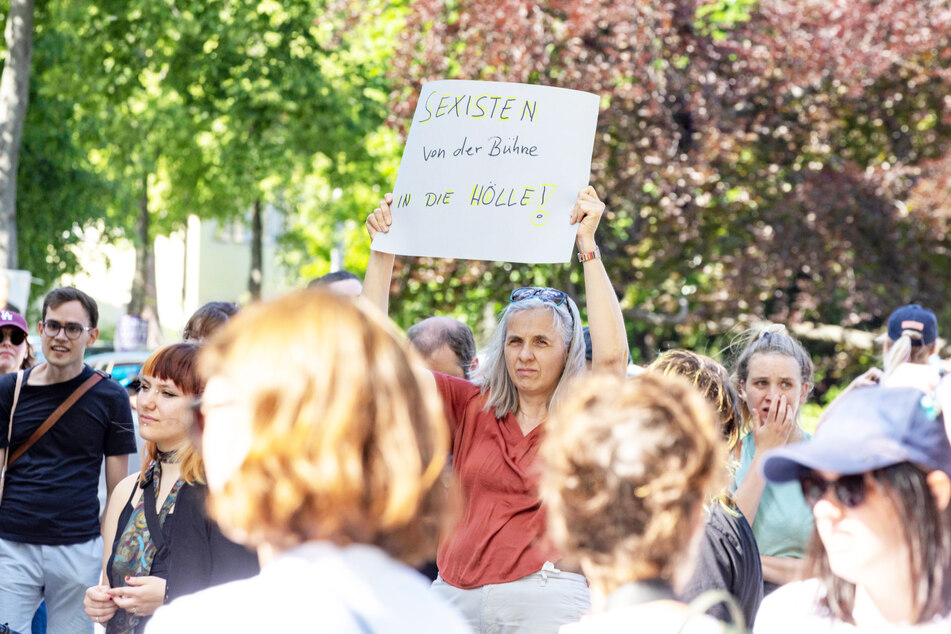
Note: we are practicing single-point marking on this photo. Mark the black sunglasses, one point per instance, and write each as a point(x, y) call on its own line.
point(15, 335)
point(850, 490)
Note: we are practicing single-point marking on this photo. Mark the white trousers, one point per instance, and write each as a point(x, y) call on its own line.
point(539, 603)
point(30, 573)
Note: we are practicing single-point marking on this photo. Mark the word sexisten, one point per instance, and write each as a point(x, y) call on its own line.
point(478, 107)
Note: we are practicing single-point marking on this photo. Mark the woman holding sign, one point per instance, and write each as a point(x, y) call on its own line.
point(496, 565)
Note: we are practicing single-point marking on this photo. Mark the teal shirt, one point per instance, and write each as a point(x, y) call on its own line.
point(783, 523)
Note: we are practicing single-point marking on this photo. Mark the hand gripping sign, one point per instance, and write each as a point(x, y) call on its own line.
point(490, 171)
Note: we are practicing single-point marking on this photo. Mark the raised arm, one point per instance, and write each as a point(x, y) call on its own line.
point(609, 351)
point(376, 283)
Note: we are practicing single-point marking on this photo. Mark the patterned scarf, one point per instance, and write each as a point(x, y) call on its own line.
point(155, 469)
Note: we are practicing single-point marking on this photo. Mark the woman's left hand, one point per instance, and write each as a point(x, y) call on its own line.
point(587, 213)
point(142, 597)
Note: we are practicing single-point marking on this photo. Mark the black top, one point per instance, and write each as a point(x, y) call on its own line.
point(728, 559)
point(197, 555)
point(51, 495)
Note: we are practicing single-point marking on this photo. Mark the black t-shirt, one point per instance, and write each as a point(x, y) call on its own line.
point(728, 559)
point(51, 495)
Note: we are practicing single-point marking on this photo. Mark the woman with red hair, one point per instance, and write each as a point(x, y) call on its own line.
point(161, 506)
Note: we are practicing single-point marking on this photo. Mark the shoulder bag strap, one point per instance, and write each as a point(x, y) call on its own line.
point(151, 517)
point(116, 541)
point(55, 416)
point(13, 408)
point(6, 452)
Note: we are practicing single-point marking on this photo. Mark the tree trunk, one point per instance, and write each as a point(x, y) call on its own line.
point(14, 97)
point(257, 252)
point(144, 300)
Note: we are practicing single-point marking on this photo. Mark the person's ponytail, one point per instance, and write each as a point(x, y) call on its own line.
point(901, 351)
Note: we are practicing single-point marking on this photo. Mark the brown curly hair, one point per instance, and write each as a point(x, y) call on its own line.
point(628, 466)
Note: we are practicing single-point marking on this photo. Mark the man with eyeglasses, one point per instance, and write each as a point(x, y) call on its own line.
point(50, 546)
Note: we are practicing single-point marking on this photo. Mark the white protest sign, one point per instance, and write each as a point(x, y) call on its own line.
point(491, 171)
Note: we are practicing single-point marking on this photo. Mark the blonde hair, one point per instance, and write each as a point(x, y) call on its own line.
point(628, 466)
point(768, 339)
point(348, 441)
point(712, 380)
point(177, 363)
point(904, 350)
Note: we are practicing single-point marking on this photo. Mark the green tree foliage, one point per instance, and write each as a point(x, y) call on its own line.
point(195, 107)
point(14, 97)
point(58, 192)
point(771, 159)
point(330, 194)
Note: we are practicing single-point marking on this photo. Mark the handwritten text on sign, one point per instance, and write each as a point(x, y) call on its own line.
point(490, 171)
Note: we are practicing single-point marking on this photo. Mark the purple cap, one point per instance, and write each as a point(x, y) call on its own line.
point(913, 317)
point(870, 428)
point(12, 318)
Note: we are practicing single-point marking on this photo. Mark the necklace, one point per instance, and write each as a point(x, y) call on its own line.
point(154, 472)
point(169, 457)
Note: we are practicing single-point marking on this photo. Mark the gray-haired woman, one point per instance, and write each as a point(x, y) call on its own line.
point(496, 423)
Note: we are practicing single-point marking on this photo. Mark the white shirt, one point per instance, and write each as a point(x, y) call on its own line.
point(795, 608)
point(316, 587)
point(660, 617)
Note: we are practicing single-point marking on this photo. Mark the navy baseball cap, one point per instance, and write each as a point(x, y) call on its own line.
point(913, 317)
point(870, 428)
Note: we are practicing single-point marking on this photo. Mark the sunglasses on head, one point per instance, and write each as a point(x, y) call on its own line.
point(550, 295)
point(849, 490)
point(15, 335)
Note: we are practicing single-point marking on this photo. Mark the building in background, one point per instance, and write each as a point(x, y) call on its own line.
point(208, 260)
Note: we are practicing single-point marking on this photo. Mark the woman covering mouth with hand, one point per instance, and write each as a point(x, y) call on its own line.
point(773, 374)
